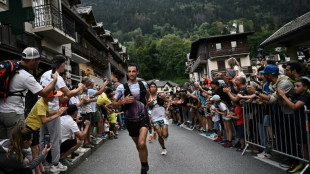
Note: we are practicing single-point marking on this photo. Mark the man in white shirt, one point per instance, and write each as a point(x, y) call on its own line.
point(69, 128)
point(12, 109)
point(53, 127)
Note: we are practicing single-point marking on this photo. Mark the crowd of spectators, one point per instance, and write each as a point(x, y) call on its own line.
point(267, 110)
point(61, 125)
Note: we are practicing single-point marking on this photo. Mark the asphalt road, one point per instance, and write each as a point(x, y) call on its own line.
point(188, 152)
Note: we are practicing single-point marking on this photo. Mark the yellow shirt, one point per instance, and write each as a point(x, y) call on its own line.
point(34, 118)
point(103, 100)
point(113, 117)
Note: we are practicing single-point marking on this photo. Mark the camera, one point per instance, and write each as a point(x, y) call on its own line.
point(47, 140)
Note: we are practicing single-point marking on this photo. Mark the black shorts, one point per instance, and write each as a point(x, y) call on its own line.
point(36, 136)
point(134, 127)
point(66, 145)
point(87, 116)
point(112, 127)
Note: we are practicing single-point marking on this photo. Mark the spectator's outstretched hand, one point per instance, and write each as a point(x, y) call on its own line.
point(46, 150)
point(87, 122)
point(54, 76)
point(280, 92)
point(251, 89)
point(61, 110)
point(227, 90)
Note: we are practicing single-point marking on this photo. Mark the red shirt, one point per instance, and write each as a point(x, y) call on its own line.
point(238, 111)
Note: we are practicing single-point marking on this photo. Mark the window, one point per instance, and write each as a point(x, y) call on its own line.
point(233, 44)
point(218, 46)
point(221, 65)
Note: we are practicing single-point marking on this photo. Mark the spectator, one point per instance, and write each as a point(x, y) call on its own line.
point(271, 74)
point(107, 129)
point(223, 110)
point(216, 120)
point(293, 70)
point(36, 118)
point(12, 110)
point(238, 115)
point(112, 118)
point(69, 128)
point(53, 127)
point(218, 90)
point(206, 81)
point(14, 156)
point(234, 64)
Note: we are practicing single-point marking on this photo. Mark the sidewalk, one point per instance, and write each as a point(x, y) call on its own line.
point(82, 156)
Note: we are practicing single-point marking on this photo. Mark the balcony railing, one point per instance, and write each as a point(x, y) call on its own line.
point(229, 52)
point(48, 15)
point(88, 53)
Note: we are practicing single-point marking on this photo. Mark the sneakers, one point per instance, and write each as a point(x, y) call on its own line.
point(144, 169)
point(218, 139)
point(208, 133)
point(286, 164)
point(295, 168)
point(164, 152)
point(214, 135)
point(154, 136)
point(116, 133)
point(228, 144)
point(115, 137)
point(58, 168)
point(80, 150)
point(150, 138)
point(88, 146)
point(65, 162)
point(264, 155)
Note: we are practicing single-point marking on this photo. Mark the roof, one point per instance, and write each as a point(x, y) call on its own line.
point(84, 10)
point(197, 42)
point(162, 83)
point(290, 28)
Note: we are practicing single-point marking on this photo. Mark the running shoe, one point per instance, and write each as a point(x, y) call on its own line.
point(144, 169)
point(154, 136)
point(65, 162)
point(227, 144)
point(222, 142)
point(214, 135)
point(150, 138)
point(295, 168)
point(263, 155)
point(286, 164)
point(218, 139)
point(116, 133)
point(164, 152)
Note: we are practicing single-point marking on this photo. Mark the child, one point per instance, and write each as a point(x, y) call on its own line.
point(107, 129)
point(224, 111)
point(216, 122)
point(238, 115)
point(36, 118)
point(113, 118)
point(234, 64)
point(299, 99)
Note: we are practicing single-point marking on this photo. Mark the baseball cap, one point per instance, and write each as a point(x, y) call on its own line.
point(215, 98)
point(270, 69)
point(55, 93)
point(30, 53)
point(58, 60)
point(71, 109)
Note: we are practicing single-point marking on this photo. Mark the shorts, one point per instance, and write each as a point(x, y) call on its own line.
point(67, 145)
point(240, 131)
point(112, 127)
point(267, 120)
point(159, 123)
point(134, 127)
point(216, 125)
point(36, 136)
point(97, 117)
point(87, 116)
point(225, 119)
point(177, 110)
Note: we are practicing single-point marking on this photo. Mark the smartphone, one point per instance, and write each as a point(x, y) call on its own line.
point(47, 140)
point(249, 83)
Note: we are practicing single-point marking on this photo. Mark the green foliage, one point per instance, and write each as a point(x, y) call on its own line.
point(158, 32)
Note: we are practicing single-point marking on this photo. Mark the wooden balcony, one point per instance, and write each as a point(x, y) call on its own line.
point(200, 61)
point(229, 52)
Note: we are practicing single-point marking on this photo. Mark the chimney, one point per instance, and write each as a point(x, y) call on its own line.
point(233, 29)
point(241, 30)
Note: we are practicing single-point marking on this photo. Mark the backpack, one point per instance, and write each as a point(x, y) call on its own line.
point(8, 68)
point(143, 92)
point(160, 101)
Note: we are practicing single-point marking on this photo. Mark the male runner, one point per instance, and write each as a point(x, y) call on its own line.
point(134, 95)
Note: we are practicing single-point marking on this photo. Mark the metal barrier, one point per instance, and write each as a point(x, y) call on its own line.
point(278, 129)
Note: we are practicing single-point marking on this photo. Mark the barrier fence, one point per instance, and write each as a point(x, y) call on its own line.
point(278, 129)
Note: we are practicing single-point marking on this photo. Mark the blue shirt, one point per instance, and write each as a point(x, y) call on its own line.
point(92, 104)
